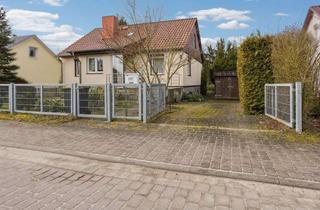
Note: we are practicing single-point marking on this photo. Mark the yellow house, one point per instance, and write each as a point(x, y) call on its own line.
point(37, 63)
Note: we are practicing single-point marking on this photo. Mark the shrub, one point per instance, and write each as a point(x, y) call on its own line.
point(192, 97)
point(254, 71)
point(295, 59)
point(204, 82)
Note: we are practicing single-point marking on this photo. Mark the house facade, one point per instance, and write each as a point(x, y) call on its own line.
point(36, 62)
point(97, 57)
point(312, 26)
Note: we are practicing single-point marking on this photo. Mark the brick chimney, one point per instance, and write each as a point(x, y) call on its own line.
point(109, 26)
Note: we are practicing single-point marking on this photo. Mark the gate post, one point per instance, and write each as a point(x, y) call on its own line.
point(41, 98)
point(299, 107)
point(108, 102)
point(74, 100)
point(11, 93)
point(144, 102)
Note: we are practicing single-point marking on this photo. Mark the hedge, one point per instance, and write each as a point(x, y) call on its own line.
point(254, 71)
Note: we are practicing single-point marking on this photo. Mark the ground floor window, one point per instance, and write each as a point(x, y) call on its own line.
point(158, 64)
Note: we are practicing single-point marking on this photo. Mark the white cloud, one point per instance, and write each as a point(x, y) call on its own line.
point(206, 41)
point(281, 14)
point(233, 24)
point(57, 37)
point(218, 14)
point(55, 3)
point(237, 39)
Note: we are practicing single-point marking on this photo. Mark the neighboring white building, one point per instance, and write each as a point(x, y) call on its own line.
point(312, 26)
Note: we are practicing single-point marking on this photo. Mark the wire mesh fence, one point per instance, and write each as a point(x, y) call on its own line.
point(279, 102)
point(43, 99)
point(91, 101)
point(4, 98)
point(155, 98)
point(124, 101)
point(127, 101)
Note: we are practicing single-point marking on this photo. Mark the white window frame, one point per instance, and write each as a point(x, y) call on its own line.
point(96, 65)
point(157, 57)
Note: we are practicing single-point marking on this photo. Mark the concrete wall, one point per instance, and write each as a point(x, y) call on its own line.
point(44, 68)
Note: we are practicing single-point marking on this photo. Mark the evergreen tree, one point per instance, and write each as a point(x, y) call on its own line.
point(7, 69)
point(231, 57)
point(219, 56)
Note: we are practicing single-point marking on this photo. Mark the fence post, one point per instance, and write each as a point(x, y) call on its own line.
point(265, 99)
point(108, 102)
point(140, 100)
point(299, 107)
point(158, 99)
point(164, 97)
point(11, 98)
point(276, 101)
point(74, 100)
point(144, 102)
point(41, 98)
point(292, 105)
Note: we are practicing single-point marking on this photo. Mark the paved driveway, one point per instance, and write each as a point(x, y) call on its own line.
point(38, 180)
point(236, 154)
point(219, 113)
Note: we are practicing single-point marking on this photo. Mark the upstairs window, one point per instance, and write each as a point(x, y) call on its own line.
point(95, 65)
point(32, 52)
point(195, 41)
point(158, 64)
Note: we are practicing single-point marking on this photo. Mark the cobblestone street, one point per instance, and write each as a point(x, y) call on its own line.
point(234, 154)
point(38, 180)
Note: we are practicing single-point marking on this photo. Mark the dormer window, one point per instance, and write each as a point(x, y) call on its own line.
point(32, 52)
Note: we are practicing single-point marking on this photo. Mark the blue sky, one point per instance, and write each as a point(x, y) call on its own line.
point(60, 22)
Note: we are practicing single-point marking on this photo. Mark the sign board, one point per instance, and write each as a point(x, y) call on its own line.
point(131, 78)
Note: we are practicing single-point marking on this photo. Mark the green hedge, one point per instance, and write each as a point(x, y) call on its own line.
point(254, 71)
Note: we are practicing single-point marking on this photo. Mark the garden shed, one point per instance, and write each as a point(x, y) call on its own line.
point(226, 85)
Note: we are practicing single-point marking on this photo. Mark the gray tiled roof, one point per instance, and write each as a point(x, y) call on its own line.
point(18, 39)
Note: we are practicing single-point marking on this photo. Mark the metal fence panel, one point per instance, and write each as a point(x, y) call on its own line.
point(126, 103)
point(43, 99)
point(155, 99)
point(4, 98)
point(91, 101)
point(279, 103)
point(95, 101)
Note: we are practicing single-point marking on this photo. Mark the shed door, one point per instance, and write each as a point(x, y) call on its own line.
point(226, 88)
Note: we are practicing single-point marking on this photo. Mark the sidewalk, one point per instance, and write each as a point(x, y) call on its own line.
point(235, 154)
point(39, 180)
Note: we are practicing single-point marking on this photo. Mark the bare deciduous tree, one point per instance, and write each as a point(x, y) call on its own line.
point(137, 43)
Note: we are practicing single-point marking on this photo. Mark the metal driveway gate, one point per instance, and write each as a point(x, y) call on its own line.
point(92, 101)
point(283, 102)
point(126, 101)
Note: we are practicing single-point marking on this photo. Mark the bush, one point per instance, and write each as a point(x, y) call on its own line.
point(192, 97)
point(254, 71)
point(295, 59)
point(204, 82)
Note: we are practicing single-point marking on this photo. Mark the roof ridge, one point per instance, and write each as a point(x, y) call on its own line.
point(163, 21)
